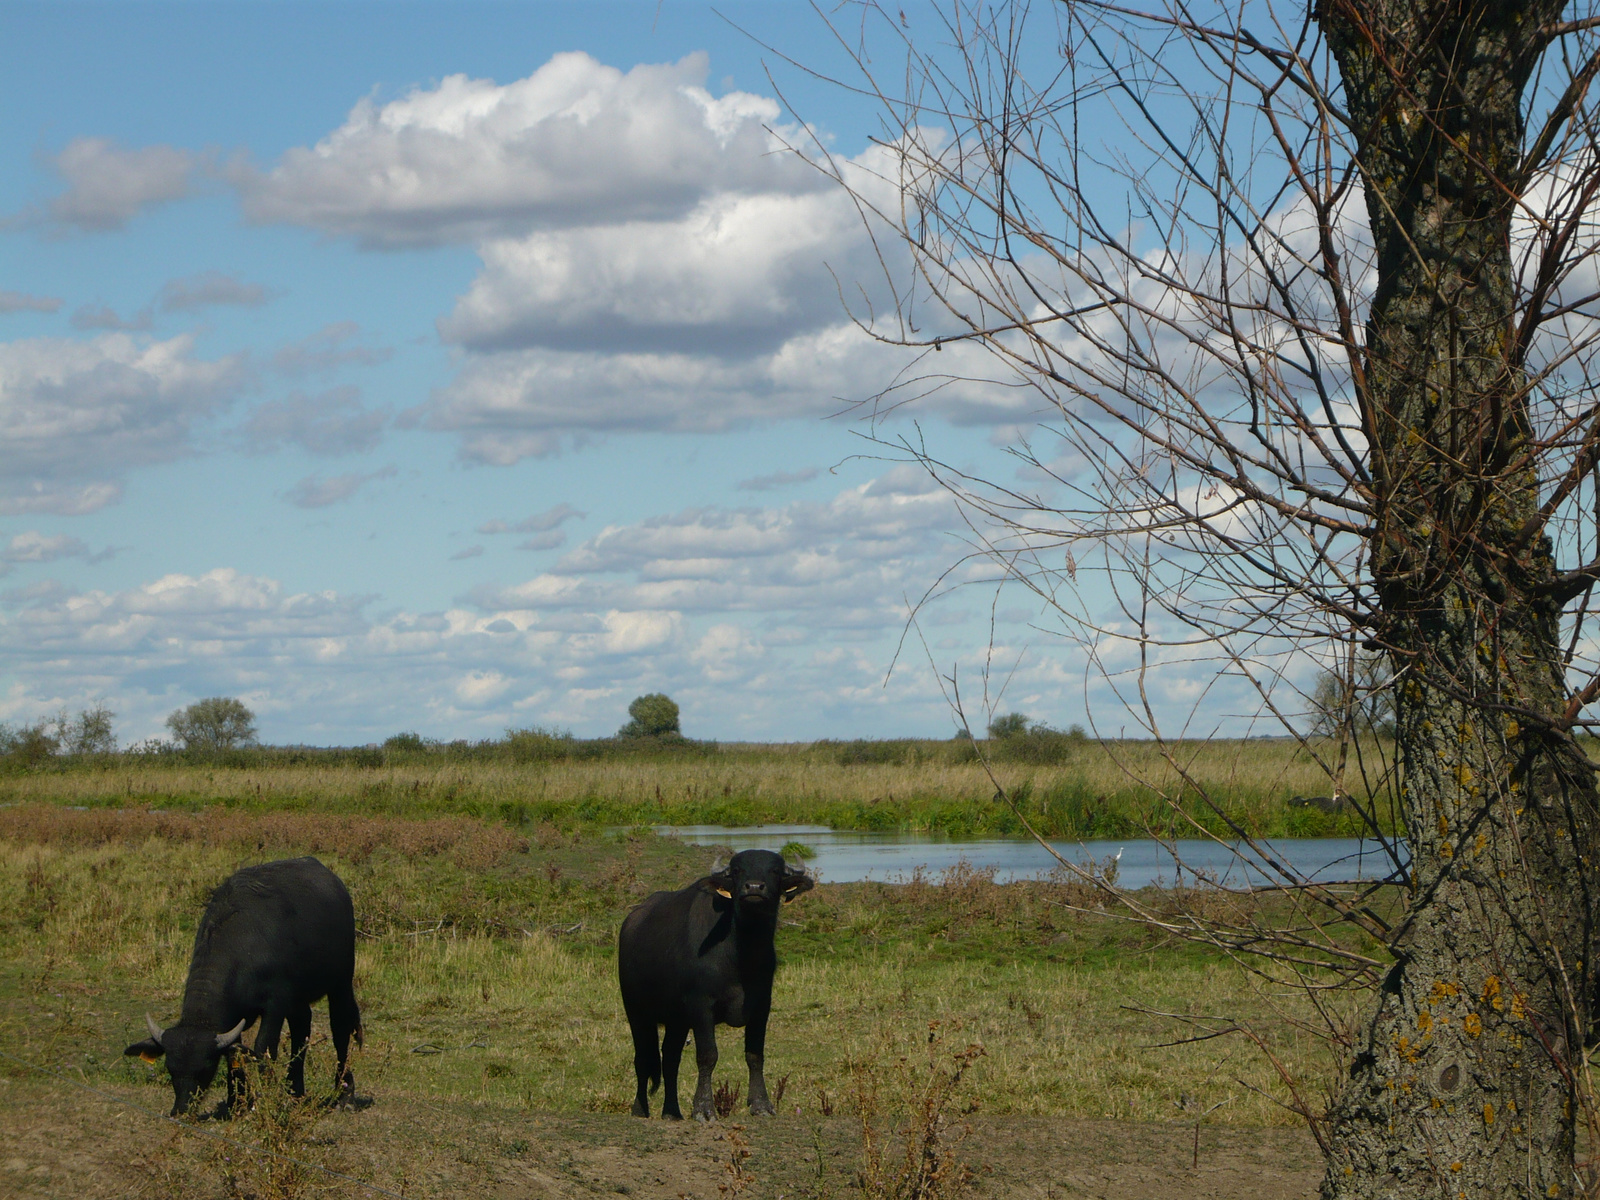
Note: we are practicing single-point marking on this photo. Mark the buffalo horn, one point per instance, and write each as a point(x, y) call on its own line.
point(155, 1030)
point(224, 1040)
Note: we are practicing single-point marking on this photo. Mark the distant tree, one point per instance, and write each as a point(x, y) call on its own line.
point(1363, 697)
point(654, 715)
point(216, 723)
point(87, 733)
point(1009, 726)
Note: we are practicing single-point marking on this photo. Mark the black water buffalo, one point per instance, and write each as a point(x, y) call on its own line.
point(698, 958)
point(273, 939)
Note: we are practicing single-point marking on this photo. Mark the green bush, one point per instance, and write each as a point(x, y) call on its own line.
point(1039, 746)
point(1009, 726)
point(28, 745)
point(538, 745)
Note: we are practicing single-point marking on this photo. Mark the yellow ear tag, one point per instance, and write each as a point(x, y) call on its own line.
point(152, 1059)
point(725, 894)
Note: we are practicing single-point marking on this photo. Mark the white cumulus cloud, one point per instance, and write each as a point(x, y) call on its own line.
point(575, 143)
point(75, 415)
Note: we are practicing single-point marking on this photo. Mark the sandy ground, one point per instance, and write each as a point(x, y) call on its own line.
point(62, 1141)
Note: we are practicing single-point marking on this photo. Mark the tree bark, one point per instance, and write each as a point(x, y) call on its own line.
point(1464, 1075)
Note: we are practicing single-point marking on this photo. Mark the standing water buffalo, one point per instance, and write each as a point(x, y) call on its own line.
point(698, 958)
point(273, 939)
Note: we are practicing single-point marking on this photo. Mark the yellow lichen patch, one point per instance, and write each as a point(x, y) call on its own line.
point(1491, 993)
point(1516, 1005)
point(1488, 1113)
point(1477, 846)
point(1444, 825)
point(1472, 1024)
point(1425, 1021)
point(1406, 1050)
point(1442, 989)
point(1512, 728)
point(1463, 774)
point(1447, 851)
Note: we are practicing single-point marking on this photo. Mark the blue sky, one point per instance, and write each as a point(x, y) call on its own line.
point(452, 367)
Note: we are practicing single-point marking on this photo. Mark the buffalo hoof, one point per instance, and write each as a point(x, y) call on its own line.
point(640, 1110)
point(762, 1108)
point(350, 1102)
point(704, 1115)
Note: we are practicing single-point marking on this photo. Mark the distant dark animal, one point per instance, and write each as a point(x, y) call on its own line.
point(273, 939)
point(1327, 804)
point(698, 958)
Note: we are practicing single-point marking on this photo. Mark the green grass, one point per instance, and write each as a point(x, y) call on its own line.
point(486, 969)
point(1066, 787)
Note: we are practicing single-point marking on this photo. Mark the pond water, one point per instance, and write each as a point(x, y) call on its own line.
point(846, 856)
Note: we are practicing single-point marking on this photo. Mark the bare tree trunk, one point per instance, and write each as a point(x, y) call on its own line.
point(1463, 1082)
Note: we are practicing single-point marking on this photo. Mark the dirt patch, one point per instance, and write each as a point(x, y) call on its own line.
point(66, 1141)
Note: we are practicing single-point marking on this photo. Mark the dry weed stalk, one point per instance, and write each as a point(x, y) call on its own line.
point(739, 1177)
point(923, 1163)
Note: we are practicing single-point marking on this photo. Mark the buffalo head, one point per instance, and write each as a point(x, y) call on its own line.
point(192, 1056)
point(759, 878)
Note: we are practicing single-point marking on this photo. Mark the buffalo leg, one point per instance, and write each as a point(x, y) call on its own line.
point(671, 1054)
point(269, 1033)
point(646, 1064)
point(299, 1035)
point(755, 1049)
point(705, 1057)
point(344, 1019)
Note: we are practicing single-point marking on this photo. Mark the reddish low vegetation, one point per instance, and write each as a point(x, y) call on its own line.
point(469, 843)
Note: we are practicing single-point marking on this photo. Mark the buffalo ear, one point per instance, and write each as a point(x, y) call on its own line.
point(149, 1050)
point(719, 882)
point(795, 881)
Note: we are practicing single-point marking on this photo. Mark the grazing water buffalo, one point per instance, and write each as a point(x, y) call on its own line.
point(699, 958)
point(273, 939)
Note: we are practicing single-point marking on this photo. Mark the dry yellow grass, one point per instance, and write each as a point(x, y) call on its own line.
point(1113, 789)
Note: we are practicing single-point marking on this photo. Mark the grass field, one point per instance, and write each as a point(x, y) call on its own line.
point(1080, 788)
point(488, 895)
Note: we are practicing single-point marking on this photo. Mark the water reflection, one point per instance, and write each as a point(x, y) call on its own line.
point(846, 856)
